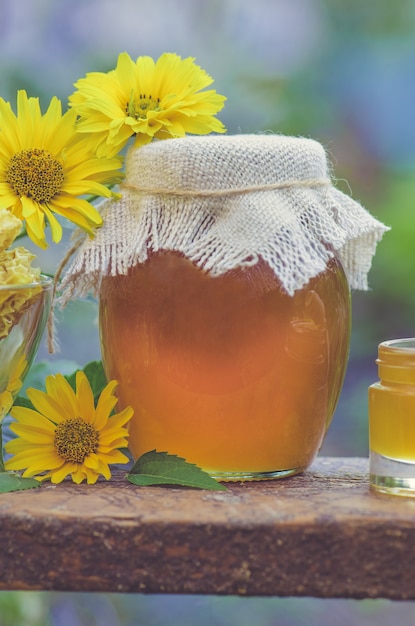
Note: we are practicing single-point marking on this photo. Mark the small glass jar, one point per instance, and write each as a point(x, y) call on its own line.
point(392, 419)
point(229, 372)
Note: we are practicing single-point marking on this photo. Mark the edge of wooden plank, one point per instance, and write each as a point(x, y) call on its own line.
point(321, 534)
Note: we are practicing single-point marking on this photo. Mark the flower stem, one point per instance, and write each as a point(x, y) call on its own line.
point(2, 468)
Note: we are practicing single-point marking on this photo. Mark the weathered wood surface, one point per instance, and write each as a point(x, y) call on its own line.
point(321, 534)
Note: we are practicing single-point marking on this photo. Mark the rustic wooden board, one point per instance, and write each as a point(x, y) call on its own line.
point(321, 534)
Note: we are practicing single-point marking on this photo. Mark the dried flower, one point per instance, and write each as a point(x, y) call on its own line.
point(15, 271)
point(10, 227)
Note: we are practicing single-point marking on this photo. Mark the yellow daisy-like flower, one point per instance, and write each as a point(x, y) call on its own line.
point(146, 98)
point(68, 434)
point(45, 168)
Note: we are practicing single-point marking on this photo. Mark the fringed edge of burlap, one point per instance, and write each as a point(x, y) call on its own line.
point(354, 236)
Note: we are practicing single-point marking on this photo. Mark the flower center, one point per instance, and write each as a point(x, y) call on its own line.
point(138, 108)
point(36, 174)
point(75, 439)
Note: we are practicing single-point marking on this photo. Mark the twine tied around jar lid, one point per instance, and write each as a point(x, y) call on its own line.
point(231, 191)
point(225, 202)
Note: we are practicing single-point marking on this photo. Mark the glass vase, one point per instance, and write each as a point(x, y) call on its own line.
point(24, 310)
point(229, 372)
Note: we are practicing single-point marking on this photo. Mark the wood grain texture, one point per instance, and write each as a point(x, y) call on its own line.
point(321, 534)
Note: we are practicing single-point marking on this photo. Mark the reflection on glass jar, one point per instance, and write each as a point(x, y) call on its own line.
point(229, 372)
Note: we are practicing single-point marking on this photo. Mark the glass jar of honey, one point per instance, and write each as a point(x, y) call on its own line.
point(223, 275)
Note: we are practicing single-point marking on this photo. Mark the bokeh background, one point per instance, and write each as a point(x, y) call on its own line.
point(340, 71)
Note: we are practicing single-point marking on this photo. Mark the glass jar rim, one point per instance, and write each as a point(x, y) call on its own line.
point(396, 361)
point(405, 345)
point(44, 281)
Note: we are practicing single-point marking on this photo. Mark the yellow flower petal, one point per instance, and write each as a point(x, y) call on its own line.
point(115, 456)
point(58, 388)
point(60, 474)
point(47, 405)
point(78, 476)
point(91, 461)
point(32, 435)
point(85, 397)
point(104, 470)
point(34, 463)
point(31, 417)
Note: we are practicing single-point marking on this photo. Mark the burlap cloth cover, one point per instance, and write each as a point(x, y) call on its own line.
point(225, 201)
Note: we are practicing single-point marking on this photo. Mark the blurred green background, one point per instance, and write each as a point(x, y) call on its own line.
point(340, 71)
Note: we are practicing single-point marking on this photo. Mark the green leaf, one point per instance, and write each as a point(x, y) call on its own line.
point(161, 468)
point(23, 401)
point(14, 482)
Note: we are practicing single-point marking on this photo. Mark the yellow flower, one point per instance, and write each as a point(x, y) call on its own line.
point(146, 98)
point(13, 386)
point(68, 434)
point(44, 168)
